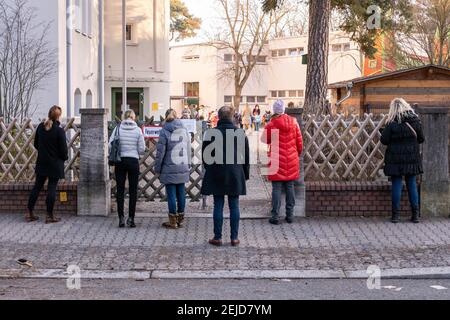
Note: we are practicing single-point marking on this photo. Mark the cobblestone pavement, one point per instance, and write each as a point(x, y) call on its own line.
point(308, 244)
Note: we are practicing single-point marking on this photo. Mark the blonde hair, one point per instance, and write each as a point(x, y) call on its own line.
point(171, 115)
point(53, 115)
point(398, 110)
point(129, 114)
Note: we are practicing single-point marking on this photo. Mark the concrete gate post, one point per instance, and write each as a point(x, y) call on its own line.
point(435, 191)
point(94, 187)
point(300, 188)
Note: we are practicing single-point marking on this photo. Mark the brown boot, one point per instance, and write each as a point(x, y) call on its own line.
point(180, 220)
point(172, 224)
point(30, 217)
point(51, 219)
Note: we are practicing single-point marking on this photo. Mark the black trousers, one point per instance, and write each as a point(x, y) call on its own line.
point(51, 193)
point(128, 167)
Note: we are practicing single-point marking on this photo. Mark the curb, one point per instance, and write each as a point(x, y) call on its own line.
point(411, 273)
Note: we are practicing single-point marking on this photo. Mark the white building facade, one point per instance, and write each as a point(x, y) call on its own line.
point(279, 74)
point(83, 72)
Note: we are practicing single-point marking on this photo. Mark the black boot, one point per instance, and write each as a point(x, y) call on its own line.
point(415, 215)
point(395, 216)
point(130, 223)
point(121, 222)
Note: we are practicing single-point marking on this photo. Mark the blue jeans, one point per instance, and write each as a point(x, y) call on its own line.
point(176, 194)
point(277, 190)
point(235, 215)
point(397, 187)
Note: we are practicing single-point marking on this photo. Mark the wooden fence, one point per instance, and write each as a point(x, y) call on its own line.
point(343, 149)
point(18, 155)
point(336, 149)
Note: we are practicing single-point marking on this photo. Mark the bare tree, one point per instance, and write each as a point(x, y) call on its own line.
point(245, 34)
point(26, 59)
point(428, 39)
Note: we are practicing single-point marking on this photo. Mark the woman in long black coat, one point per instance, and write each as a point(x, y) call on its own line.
point(226, 173)
point(403, 136)
point(50, 142)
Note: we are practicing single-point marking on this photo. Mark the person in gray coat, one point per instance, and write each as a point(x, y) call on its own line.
point(173, 160)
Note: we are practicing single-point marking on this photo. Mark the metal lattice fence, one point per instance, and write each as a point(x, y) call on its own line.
point(343, 149)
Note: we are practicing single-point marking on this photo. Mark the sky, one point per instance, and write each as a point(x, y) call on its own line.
point(203, 9)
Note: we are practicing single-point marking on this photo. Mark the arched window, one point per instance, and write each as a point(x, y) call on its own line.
point(89, 99)
point(78, 102)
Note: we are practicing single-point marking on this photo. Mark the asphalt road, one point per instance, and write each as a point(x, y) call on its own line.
point(223, 290)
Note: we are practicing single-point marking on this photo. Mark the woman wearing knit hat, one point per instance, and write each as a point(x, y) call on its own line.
point(285, 142)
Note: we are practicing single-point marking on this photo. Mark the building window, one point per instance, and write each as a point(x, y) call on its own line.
point(300, 93)
point(336, 48)
point(191, 58)
point(347, 47)
point(293, 52)
point(274, 94)
point(261, 99)
point(192, 89)
point(129, 32)
point(228, 99)
point(228, 57)
point(261, 59)
point(274, 53)
point(373, 64)
point(78, 101)
point(89, 99)
point(282, 53)
point(281, 94)
point(292, 93)
point(251, 99)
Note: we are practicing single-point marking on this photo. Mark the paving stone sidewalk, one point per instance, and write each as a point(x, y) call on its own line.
point(308, 244)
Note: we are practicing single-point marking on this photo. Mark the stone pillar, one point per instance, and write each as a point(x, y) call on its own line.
point(435, 191)
point(300, 188)
point(94, 188)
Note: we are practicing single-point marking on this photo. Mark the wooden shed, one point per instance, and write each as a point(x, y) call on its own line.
point(425, 86)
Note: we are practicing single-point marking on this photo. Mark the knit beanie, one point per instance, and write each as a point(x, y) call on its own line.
point(279, 107)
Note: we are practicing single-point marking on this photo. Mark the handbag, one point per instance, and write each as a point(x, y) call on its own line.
point(114, 149)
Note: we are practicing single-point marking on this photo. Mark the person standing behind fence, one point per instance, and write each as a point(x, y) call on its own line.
point(285, 142)
point(402, 136)
point(173, 160)
point(132, 146)
point(51, 145)
point(226, 172)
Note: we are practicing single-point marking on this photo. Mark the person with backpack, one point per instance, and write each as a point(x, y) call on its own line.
point(173, 161)
point(51, 145)
point(403, 136)
point(131, 145)
point(285, 142)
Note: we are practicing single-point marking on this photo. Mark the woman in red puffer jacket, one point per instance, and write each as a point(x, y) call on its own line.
point(285, 142)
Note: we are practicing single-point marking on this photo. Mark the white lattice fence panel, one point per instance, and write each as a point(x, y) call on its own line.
point(18, 155)
point(342, 149)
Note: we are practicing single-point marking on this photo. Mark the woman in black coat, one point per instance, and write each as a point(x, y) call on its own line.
point(50, 142)
point(402, 136)
point(226, 173)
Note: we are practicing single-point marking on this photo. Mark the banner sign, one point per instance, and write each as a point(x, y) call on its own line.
point(151, 132)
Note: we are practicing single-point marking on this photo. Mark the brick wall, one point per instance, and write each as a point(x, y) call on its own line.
point(14, 199)
point(346, 199)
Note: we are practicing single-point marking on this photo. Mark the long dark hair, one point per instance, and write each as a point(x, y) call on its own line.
point(53, 115)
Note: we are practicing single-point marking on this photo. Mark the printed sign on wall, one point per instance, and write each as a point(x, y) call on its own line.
point(151, 132)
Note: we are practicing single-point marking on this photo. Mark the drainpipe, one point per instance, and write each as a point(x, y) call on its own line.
point(101, 56)
point(349, 87)
point(124, 56)
point(69, 38)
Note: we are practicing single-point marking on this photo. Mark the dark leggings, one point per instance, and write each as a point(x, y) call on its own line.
point(51, 193)
point(128, 167)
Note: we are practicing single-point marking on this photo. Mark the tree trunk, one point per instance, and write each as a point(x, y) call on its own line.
point(237, 97)
point(318, 49)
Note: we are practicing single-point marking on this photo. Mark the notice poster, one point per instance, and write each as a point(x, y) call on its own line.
point(190, 125)
point(151, 132)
